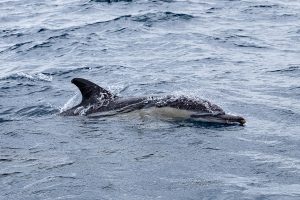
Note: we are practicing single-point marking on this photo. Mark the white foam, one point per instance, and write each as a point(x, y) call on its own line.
point(33, 77)
point(70, 103)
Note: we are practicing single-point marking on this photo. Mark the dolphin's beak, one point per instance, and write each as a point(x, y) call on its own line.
point(233, 119)
point(242, 122)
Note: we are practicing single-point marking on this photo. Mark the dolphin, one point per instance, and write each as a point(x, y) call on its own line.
point(96, 99)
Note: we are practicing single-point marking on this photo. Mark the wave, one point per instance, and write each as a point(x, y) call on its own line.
point(289, 69)
point(148, 19)
point(249, 45)
point(15, 46)
point(270, 12)
point(264, 6)
point(9, 32)
point(5, 174)
point(31, 77)
point(37, 111)
point(292, 71)
point(42, 30)
point(2, 120)
point(238, 40)
point(106, 68)
point(49, 38)
point(110, 1)
point(32, 45)
point(61, 36)
point(71, 71)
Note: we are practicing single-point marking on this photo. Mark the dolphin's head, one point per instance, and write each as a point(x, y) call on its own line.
point(219, 118)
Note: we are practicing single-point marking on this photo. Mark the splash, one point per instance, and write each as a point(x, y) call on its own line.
point(83, 110)
point(70, 103)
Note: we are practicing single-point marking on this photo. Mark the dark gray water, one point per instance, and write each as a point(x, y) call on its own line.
point(242, 55)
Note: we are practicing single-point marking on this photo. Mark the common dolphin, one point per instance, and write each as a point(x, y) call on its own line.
point(96, 99)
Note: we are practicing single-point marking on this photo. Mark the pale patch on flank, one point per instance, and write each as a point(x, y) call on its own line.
point(167, 112)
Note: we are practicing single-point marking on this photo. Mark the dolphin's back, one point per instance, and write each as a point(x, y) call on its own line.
point(190, 104)
point(181, 102)
point(97, 99)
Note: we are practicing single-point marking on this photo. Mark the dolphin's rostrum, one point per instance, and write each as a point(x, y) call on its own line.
point(95, 99)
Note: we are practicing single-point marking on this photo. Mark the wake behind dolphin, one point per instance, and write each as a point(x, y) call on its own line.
point(96, 99)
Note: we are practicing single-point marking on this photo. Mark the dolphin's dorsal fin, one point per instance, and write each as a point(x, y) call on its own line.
point(90, 91)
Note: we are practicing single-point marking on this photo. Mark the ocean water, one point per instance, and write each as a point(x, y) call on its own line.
point(243, 55)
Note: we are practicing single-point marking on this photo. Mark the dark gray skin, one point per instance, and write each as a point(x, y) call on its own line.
point(96, 100)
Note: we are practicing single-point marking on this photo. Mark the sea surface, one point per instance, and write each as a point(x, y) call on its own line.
point(243, 55)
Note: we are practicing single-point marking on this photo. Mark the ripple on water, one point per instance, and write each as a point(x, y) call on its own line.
point(290, 71)
point(16, 46)
point(150, 18)
point(35, 111)
point(110, 1)
point(241, 54)
point(3, 120)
